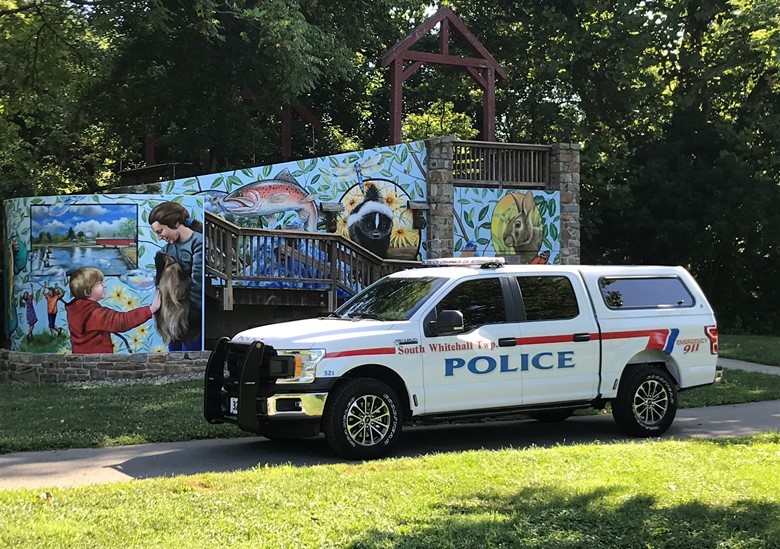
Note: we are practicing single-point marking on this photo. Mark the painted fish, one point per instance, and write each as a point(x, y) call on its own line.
point(272, 196)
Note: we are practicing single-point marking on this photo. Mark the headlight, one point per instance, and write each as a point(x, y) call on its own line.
point(305, 364)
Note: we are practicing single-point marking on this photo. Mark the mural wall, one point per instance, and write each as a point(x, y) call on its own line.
point(83, 274)
point(490, 222)
point(124, 273)
point(374, 186)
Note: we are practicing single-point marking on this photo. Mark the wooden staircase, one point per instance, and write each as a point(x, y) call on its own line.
point(295, 268)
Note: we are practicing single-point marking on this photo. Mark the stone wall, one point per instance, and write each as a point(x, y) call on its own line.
point(565, 177)
point(441, 198)
point(55, 368)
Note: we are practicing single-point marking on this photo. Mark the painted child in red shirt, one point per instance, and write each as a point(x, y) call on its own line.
point(91, 324)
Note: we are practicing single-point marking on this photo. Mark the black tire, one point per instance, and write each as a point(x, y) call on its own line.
point(646, 402)
point(552, 416)
point(362, 419)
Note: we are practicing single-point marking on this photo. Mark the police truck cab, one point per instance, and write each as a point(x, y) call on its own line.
point(472, 337)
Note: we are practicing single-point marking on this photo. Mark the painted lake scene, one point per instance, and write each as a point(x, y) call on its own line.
point(66, 237)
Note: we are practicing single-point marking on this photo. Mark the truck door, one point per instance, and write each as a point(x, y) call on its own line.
point(559, 338)
point(470, 370)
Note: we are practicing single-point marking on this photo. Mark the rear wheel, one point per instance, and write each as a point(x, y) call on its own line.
point(646, 402)
point(362, 419)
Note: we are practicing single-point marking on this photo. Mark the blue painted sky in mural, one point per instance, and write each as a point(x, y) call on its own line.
point(91, 219)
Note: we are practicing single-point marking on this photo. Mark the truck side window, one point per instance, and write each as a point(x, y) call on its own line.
point(481, 302)
point(548, 297)
point(645, 293)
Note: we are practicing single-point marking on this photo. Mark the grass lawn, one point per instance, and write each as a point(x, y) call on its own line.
point(759, 349)
point(50, 416)
point(686, 494)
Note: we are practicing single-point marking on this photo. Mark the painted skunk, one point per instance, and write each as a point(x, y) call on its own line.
point(371, 223)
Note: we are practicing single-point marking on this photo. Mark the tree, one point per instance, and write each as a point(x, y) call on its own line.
point(49, 142)
point(439, 119)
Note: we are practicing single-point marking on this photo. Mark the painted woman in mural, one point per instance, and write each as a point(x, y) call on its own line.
point(28, 302)
point(91, 324)
point(183, 235)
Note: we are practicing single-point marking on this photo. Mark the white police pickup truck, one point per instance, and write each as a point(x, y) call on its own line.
point(448, 341)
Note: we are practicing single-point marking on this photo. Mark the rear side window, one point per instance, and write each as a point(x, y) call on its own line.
point(645, 293)
point(548, 297)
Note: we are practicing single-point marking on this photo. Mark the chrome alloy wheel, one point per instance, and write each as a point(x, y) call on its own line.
point(651, 402)
point(368, 420)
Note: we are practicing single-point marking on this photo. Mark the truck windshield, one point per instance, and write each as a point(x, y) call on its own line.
point(390, 298)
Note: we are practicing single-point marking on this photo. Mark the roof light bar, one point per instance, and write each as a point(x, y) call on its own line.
point(465, 262)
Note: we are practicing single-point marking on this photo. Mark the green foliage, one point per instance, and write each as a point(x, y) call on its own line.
point(677, 104)
point(439, 119)
point(759, 349)
point(54, 416)
point(736, 387)
point(46, 416)
point(48, 143)
point(678, 107)
point(693, 494)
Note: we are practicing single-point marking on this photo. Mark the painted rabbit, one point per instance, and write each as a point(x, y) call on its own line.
point(520, 234)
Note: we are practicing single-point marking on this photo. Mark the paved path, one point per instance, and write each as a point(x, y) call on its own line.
point(748, 366)
point(77, 467)
point(99, 465)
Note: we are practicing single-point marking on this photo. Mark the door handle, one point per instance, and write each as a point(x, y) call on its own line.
point(581, 337)
point(507, 342)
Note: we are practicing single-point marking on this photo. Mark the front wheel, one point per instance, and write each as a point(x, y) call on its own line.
point(646, 402)
point(362, 419)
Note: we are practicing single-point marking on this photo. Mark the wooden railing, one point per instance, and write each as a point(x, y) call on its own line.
point(483, 162)
point(290, 259)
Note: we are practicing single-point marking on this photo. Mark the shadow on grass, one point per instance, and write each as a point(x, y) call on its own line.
point(559, 518)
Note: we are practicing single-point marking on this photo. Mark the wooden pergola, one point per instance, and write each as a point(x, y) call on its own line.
point(483, 68)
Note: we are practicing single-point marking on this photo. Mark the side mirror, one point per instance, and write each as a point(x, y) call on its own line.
point(449, 321)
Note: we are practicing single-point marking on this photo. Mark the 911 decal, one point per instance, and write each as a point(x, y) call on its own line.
point(691, 345)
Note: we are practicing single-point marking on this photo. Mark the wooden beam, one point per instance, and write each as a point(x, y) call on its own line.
point(308, 116)
point(410, 70)
point(426, 27)
point(489, 107)
point(440, 59)
point(477, 76)
point(396, 101)
point(476, 44)
point(444, 37)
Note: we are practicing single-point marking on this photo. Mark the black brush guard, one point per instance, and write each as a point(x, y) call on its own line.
point(252, 369)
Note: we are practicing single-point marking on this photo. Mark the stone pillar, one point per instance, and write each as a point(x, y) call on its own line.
point(565, 177)
point(441, 213)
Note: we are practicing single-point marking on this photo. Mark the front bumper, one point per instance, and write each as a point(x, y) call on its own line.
point(240, 388)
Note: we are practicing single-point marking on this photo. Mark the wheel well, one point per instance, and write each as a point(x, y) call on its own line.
point(386, 375)
point(658, 359)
